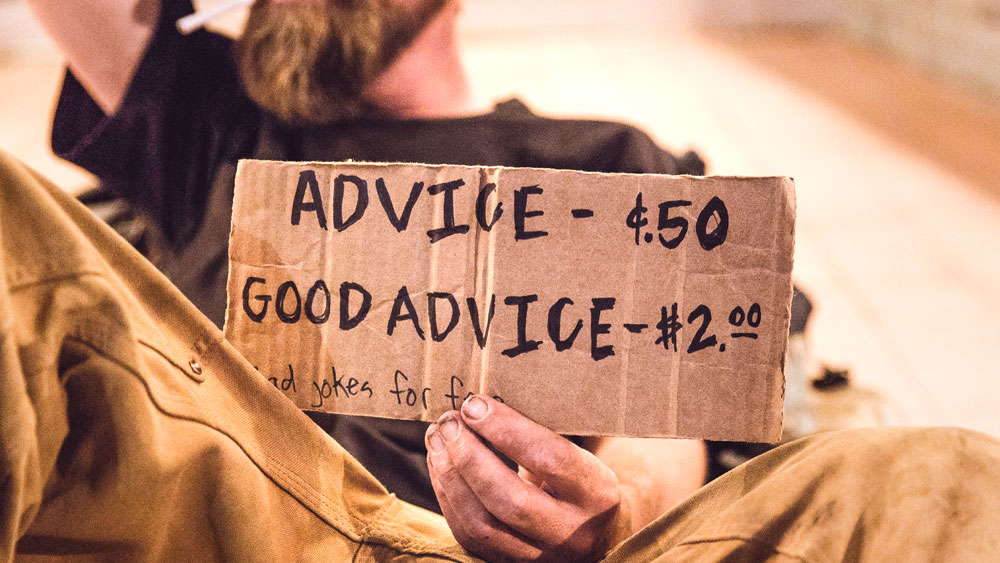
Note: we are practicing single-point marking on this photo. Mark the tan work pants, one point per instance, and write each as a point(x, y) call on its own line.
point(131, 431)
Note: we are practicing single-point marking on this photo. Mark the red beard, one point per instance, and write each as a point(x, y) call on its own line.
point(308, 62)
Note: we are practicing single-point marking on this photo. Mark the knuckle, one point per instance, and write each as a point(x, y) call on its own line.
point(608, 497)
point(481, 535)
point(446, 473)
point(474, 535)
point(461, 535)
point(461, 457)
point(516, 509)
point(561, 462)
point(450, 478)
point(608, 493)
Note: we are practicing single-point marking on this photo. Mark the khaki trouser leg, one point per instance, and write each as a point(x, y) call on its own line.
point(890, 494)
point(130, 431)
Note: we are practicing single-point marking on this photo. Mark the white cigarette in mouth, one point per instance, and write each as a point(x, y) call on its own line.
point(195, 21)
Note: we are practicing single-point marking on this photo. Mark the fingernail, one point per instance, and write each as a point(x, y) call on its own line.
point(475, 408)
point(434, 442)
point(448, 428)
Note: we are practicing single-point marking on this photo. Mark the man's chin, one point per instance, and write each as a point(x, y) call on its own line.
point(306, 63)
point(297, 105)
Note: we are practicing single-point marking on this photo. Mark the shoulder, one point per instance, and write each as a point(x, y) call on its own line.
point(587, 144)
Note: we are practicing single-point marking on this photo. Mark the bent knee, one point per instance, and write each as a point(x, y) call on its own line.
point(927, 455)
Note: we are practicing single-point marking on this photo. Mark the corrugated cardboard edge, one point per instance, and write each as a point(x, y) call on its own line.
point(776, 427)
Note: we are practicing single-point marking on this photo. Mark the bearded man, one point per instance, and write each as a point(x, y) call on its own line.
point(162, 119)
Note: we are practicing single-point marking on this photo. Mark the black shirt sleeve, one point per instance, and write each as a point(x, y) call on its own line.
point(179, 118)
point(638, 153)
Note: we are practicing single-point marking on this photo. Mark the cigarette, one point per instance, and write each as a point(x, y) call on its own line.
point(197, 20)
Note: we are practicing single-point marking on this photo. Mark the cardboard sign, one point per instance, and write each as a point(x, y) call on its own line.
point(611, 304)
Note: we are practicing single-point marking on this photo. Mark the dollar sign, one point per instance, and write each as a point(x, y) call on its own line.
point(635, 219)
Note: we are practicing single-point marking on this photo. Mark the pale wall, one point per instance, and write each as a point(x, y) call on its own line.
point(954, 39)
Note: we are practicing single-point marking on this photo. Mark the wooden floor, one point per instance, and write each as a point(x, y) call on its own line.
point(898, 233)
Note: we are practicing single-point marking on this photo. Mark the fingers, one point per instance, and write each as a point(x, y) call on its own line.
point(573, 474)
point(530, 477)
point(472, 525)
point(468, 472)
point(562, 504)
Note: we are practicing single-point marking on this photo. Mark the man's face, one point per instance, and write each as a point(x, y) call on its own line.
point(308, 61)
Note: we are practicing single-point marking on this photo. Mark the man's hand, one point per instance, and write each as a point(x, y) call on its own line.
point(562, 505)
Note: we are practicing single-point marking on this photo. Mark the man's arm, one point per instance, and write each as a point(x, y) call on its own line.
point(103, 40)
point(564, 503)
point(654, 474)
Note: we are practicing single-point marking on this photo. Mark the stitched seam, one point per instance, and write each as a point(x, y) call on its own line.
point(158, 402)
point(167, 396)
point(283, 477)
point(399, 539)
point(295, 485)
point(298, 486)
point(367, 530)
point(159, 352)
point(204, 340)
point(408, 543)
point(24, 284)
point(737, 537)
